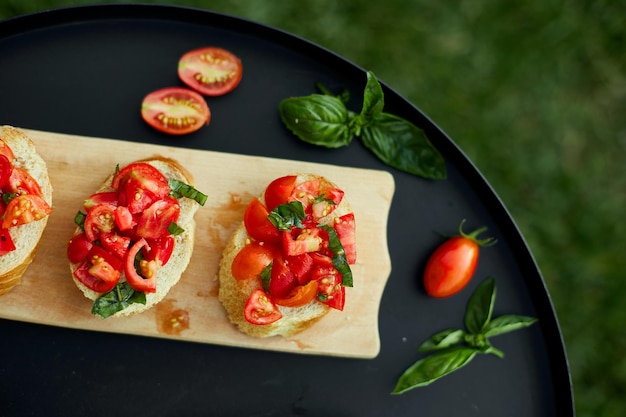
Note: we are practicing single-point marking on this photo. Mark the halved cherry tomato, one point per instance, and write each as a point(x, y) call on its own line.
point(6, 242)
point(6, 150)
point(156, 219)
point(139, 283)
point(78, 247)
point(101, 219)
point(116, 244)
point(345, 227)
point(252, 259)
point(21, 182)
point(259, 309)
point(148, 176)
point(210, 71)
point(299, 296)
point(258, 225)
point(25, 209)
point(5, 170)
point(278, 191)
point(175, 110)
point(282, 280)
point(452, 265)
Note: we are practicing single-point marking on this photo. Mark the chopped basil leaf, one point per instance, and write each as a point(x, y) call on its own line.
point(6, 197)
point(175, 229)
point(79, 219)
point(180, 189)
point(120, 297)
point(265, 276)
point(287, 215)
point(340, 262)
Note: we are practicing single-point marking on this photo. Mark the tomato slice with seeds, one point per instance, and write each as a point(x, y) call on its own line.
point(346, 232)
point(299, 296)
point(21, 182)
point(175, 110)
point(210, 71)
point(82, 274)
point(100, 219)
point(156, 219)
point(24, 209)
point(259, 309)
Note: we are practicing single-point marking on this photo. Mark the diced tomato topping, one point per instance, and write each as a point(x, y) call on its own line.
point(124, 218)
point(94, 200)
point(6, 242)
point(82, 274)
point(301, 266)
point(78, 248)
point(6, 168)
point(24, 209)
point(299, 241)
point(116, 244)
point(155, 220)
point(100, 219)
point(345, 227)
point(21, 183)
point(283, 280)
point(6, 150)
point(160, 250)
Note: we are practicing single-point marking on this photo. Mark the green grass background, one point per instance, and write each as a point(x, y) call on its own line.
point(534, 92)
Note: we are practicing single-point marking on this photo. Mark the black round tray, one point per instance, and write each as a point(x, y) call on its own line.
point(85, 70)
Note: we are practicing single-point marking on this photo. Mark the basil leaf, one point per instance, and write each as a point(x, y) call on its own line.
point(402, 145)
point(180, 189)
point(318, 119)
point(431, 368)
point(340, 262)
point(480, 306)
point(266, 276)
point(373, 99)
point(507, 323)
point(443, 340)
point(79, 219)
point(174, 229)
point(287, 215)
point(120, 297)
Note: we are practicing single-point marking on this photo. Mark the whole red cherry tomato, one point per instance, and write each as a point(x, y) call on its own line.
point(452, 265)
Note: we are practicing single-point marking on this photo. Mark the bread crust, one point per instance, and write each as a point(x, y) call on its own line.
point(25, 237)
point(170, 273)
point(234, 293)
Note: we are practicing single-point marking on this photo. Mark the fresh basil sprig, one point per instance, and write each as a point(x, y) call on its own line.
point(324, 119)
point(120, 297)
point(454, 348)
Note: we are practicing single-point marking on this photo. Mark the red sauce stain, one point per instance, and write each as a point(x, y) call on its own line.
point(171, 320)
point(226, 217)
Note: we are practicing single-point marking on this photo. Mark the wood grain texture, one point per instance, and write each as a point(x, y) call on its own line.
point(48, 296)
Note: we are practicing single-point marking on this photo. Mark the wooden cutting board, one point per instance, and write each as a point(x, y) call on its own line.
point(78, 165)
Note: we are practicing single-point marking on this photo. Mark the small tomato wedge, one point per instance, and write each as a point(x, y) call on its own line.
point(260, 310)
point(6, 150)
point(139, 283)
point(25, 209)
point(282, 280)
point(299, 296)
point(156, 219)
point(345, 227)
point(252, 259)
point(452, 265)
point(175, 110)
point(82, 274)
point(210, 71)
point(100, 219)
point(21, 182)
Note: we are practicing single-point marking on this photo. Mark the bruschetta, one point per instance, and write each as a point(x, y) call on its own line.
point(25, 205)
point(288, 262)
point(135, 236)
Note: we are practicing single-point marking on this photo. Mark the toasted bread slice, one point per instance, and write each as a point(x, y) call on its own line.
point(234, 293)
point(171, 272)
point(25, 237)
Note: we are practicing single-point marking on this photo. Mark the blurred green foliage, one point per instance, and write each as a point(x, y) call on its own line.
point(534, 92)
